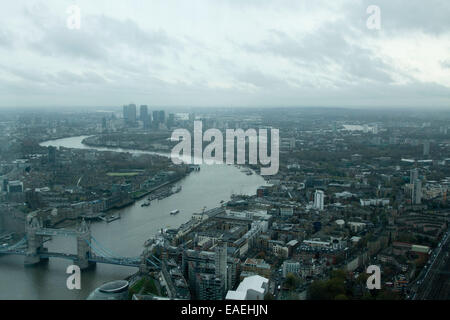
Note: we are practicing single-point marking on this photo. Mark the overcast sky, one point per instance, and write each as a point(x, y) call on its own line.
point(225, 53)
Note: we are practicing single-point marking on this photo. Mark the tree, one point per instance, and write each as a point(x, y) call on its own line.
point(269, 296)
point(335, 287)
point(340, 274)
point(317, 291)
point(329, 290)
point(362, 278)
point(292, 281)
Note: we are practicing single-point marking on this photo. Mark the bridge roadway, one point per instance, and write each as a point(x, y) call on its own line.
point(128, 262)
point(57, 232)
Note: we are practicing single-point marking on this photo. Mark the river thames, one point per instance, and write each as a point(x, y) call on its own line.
point(124, 237)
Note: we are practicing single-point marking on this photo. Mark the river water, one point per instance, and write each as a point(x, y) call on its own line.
point(124, 237)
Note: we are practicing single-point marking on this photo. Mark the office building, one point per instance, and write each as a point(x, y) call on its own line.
point(319, 200)
point(104, 124)
point(209, 287)
point(155, 117)
point(290, 267)
point(15, 186)
point(413, 175)
point(251, 288)
point(143, 114)
point(221, 263)
point(129, 114)
point(171, 120)
point(416, 197)
point(162, 116)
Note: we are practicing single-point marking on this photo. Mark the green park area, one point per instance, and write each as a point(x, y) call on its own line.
point(144, 286)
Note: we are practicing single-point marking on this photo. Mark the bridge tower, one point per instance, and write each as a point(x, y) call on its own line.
point(35, 242)
point(83, 247)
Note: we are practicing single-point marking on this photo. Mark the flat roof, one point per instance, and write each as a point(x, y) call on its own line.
point(255, 283)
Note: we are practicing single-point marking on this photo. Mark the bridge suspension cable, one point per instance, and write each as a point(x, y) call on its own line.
point(101, 248)
point(20, 243)
point(99, 251)
point(108, 254)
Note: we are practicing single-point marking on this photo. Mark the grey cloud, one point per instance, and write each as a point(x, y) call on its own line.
point(6, 40)
point(99, 37)
point(260, 79)
point(41, 78)
point(27, 75)
point(403, 16)
point(113, 58)
point(68, 78)
point(326, 46)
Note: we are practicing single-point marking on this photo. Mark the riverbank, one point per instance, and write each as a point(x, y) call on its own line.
point(91, 142)
point(123, 237)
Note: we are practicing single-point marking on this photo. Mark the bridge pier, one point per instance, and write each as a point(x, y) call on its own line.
point(84, 264)
point(32, 259)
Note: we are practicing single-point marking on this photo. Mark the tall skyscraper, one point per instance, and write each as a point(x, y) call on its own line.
point(413, 175)
point(221, 264)
point(319, 199)
point(162, 116)
point(104, 124)
point(155, 119)
point(159, 117)
point(143, 114)
point(416, 197)
point(125, 113)
point(171, 120)
point(129, 114)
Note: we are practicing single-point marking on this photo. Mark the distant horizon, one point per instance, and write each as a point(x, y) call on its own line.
point(119, 107)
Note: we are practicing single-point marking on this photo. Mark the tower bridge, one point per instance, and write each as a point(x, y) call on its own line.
point(89, 250)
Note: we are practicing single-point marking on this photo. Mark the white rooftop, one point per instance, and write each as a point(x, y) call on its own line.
point(255, 283)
